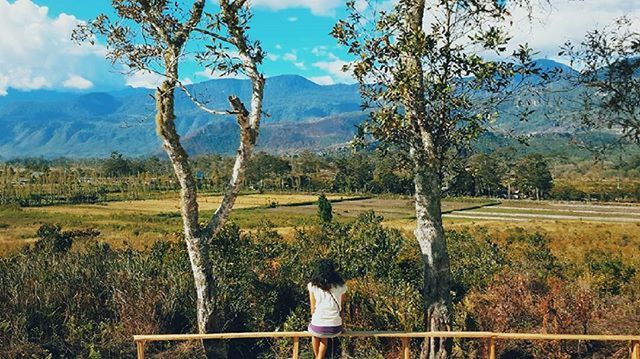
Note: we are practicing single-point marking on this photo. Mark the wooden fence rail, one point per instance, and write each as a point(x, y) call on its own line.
point(489, 338)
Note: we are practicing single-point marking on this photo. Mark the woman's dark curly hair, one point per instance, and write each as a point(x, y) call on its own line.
point(325, 276)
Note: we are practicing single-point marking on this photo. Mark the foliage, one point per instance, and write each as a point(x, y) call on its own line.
point(89, 299)
point(325, 213)
point(427, 81)
point(533, 176)
point(609, 63)
point(118, 166)
point(610, 275)
point(477, 261)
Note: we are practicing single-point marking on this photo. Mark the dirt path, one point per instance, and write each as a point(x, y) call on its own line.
point(629, 211)
point(501, 216)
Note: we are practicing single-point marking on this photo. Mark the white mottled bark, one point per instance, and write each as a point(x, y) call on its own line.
point(426, 171)
point(248, 120)
point(437, 275)
point(197, 238)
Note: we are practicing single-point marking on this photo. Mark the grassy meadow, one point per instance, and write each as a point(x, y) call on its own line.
point(573, 228)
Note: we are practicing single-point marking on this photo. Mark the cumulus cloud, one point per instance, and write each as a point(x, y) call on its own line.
point(77, 82)
point(317, 7)
point(293, 58)
point(37, 51)
point(334, 69)
point(553, 25)
point(144, 79)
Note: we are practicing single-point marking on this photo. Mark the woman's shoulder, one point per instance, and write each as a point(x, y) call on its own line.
point(342, 288)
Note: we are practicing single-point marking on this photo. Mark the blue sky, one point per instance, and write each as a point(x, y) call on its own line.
point(36, 53)
point(295, 37)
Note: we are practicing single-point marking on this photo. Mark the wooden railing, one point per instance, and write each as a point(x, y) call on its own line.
point(489, 338)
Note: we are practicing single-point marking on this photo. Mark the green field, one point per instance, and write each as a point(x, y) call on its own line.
point(140, 223)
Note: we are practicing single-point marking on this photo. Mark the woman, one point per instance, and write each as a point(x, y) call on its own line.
point(326, 295)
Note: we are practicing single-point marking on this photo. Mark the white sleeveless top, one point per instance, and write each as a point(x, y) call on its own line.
point(327, 312)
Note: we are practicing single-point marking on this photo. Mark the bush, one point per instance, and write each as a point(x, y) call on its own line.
point(324, 209)
point(59, 299)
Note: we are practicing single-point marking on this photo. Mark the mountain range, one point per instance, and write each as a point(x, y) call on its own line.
point(301, 115)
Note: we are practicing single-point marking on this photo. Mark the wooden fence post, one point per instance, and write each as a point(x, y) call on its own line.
point(406, 348)
point(492, 348)
point(296, 347)
point(140, 349)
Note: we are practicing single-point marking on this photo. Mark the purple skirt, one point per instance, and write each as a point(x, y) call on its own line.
point(324, 332)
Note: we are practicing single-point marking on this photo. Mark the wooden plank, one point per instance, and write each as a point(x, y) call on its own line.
point(532, 336)
point(245, 335)
point(372, 334)
point(296, 347)
point(140, 349)
point(406, 348)
point(471, 335)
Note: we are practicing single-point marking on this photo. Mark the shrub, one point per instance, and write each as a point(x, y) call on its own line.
point(324, 209)
point(63, 300)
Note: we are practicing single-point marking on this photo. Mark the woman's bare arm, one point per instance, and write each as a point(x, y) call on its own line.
point(343, 300)
point(312, 301)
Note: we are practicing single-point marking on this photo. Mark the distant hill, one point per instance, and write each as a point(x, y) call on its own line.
point(302, 114)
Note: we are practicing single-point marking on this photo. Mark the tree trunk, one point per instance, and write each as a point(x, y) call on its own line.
point(437, 274)
point(427, 181)
point(197, 246)
point(207, 319)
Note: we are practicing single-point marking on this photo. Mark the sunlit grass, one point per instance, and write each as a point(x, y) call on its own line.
point(141, 223)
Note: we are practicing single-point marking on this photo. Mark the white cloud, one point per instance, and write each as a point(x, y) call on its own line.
point(77, 82)
point(145, 79)
point(569, 20)
point(334, 69)
point(317, 7)
point(290, 56)
point(361, 5)
point(319, 50)
point(292, 19)
point(37, 51)
point(272, 57)
point(293, 58)
point(278, 46)
point(323, 80)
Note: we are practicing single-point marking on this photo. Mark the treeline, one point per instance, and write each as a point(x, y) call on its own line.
point(501, 173)
point(70, 295)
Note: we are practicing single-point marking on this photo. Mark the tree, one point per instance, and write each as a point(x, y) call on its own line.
point(486, 174)
point(532, 175)
point(117, 166)
point(430, 92)
point(353, 173)
point(609, 63)
point(265, 166)
point(152, 36)
point(325, 212)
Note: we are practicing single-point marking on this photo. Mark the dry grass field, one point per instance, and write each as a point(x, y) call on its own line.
point(573, 228)
point(138, 223)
